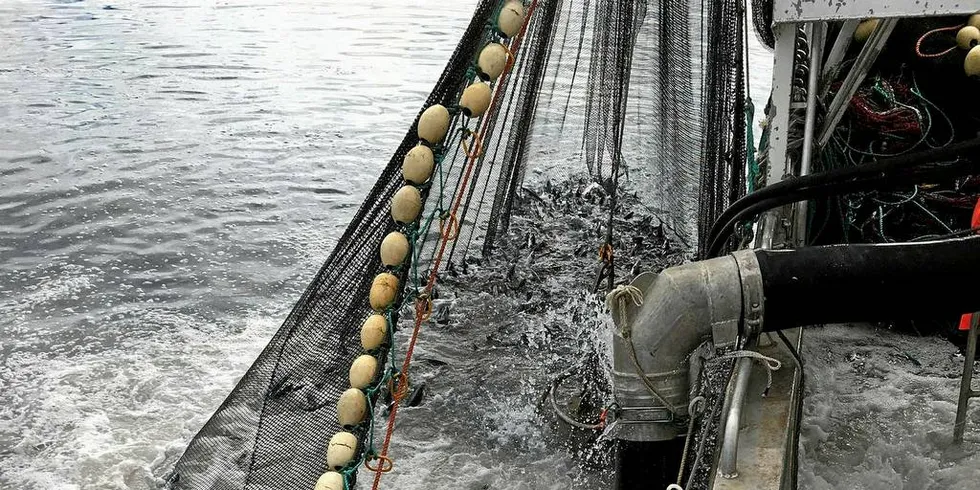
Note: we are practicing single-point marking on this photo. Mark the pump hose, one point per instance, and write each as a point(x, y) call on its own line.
point(902, 170)
point(861, 283)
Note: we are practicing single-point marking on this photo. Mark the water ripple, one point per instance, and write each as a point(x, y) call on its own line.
point(171, 175)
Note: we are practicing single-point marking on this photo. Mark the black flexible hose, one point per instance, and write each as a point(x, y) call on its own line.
point(864, 183)
point(854, 283)
point(897, 171)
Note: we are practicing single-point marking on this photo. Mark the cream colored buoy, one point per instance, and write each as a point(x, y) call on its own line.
point(492, 61)
point(374, 332)
point(330, 480)
point(341, 451)
point(362, 371)
point(968, 37)
point(406, 205)
point(974, 20)
point(394, 249)
point(434, 124)
point(972, 64)
point(418, 164)
point(351, 407)
point(864, 30)
point(511, 18)
point(476, 99)
point(384, 289)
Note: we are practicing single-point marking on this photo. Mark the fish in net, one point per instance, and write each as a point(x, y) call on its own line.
point(628, 90)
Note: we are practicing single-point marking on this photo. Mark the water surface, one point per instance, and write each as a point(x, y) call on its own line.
point(172, 174)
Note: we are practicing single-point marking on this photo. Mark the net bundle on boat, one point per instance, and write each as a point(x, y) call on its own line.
point(611, 90)
point(913, 100)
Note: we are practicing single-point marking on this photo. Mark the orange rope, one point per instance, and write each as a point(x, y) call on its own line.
point(424, 304)
point(420, 307)
point(385, 464)
point(477, 148)
point(450, 230)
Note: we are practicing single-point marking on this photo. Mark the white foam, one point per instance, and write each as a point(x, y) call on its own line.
point(107, 419)
point(879, 413)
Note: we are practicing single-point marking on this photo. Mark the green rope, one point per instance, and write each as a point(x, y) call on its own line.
point(415, 232)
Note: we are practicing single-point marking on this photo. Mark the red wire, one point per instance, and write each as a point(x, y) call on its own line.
point(918, 44)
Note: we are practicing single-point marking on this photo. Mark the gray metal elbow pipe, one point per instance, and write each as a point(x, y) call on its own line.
point(722, 298)
point(681, 308)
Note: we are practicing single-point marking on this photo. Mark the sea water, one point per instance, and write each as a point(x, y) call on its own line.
point(172, 174)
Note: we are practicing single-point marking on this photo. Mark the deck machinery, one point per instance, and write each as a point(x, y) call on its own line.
point(733, 298)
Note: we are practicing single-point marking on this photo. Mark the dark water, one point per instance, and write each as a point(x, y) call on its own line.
point(171, 176)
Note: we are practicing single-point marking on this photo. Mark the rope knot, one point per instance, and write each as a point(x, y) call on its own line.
point(767, 362)
point(423, 307)
point(606, 253)
point(617, 300)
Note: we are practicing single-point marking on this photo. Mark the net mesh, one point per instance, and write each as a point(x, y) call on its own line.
point(624, 89)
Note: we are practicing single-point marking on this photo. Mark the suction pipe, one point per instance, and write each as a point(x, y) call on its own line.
point(671, 313)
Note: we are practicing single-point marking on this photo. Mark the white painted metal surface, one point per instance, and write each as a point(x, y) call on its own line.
point(814, 10)
point(782, 92)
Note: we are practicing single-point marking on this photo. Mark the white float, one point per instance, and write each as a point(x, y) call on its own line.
point(406, 205)
point(362, 371)
point(434, 124)
point(492, 60)
point(330, 480)
point(341, 451)
point(511, 18)
point(864, 30)
point(351, 407)
point(968, 37)
point(384, 290)
point(374, 332)
point(476, 99)
point(394, 249)
point(972, 64)
point(418, 164)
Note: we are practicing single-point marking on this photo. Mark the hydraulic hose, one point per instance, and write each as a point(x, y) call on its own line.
point(853, 283)
point(897, 171)
point(752, 290)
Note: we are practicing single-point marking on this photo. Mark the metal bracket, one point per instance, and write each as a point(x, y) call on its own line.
point(782, 94)
point(966, 383)
point(872, 48)
point(837, 53)
point(753, 298)
point(816, 33)
point(644, 415)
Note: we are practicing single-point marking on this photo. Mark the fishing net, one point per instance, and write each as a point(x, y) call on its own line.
point(273, 429)
point(609, 90)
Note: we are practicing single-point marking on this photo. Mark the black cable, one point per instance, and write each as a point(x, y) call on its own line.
point(792, 350)
point(909, 280)
point(910, 168)
point(957, 234)
point(869, 182)
point(889, 165)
